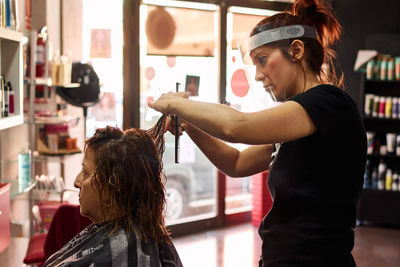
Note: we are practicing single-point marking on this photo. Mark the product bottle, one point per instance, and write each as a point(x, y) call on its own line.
point(389, 179)
point(369, 104)
point(388, 107)
point(391, 69)
point(395, 184)
point(395, 107)
point(374, 178)
point(367, 175)
point(370, 69)
point(382, 103)
point(24, 166)
point(11, 99)
point(377, 67)
point(6, 100)
point(397, 68)
point(381, 175)
point(2, 97)
point(391, 143)
point(398, 145)
point(398, 107)
point(375, 110)
point(384, 64)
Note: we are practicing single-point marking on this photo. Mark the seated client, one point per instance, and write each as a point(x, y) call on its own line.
point(121, 189)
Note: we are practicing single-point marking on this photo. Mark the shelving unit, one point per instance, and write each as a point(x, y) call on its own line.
point(37, 145)
point(381, 206)
point(12, 67)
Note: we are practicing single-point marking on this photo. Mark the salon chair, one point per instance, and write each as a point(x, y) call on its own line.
point(67, 223)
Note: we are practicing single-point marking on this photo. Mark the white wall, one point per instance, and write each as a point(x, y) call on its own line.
point(46, 12)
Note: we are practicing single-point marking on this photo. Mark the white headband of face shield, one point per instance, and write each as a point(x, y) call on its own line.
point(273, 35)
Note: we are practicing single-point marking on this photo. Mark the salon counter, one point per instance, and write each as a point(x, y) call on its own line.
point(4, 216)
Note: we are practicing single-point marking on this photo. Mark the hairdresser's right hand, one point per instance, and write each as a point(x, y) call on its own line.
point(164, 103)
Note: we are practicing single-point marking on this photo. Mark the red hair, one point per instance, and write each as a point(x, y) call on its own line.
point(320, 16)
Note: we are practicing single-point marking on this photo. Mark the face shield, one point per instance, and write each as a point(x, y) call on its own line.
point(269, 36)
point(273, 35)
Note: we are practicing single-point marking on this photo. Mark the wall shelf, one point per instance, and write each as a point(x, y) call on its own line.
point(53, 120)
point(382, 88)
point(10, 35)
point(11, 121)
point(17, 189)
point(11, 66)
point(377, 156)
point(384, 119)
point(49, 82)
point(60, 152)
point(381, 124)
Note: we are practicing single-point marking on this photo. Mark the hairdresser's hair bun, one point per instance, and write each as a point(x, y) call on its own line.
point(320, 15)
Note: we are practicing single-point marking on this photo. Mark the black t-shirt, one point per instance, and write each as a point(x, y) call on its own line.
point(315, 182)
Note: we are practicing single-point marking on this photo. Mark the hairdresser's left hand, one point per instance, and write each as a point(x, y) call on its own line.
point(165, 101)
point(170, 126)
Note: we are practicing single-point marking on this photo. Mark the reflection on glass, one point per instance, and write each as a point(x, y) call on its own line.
point(179, 31)
point(235, 255)
point(102, 48)
point(242, 93)
point(189, 250)
point(185, 55)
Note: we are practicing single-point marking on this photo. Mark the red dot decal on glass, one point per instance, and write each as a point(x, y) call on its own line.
point(240, 85)
point(150, 99)
point(233, 59)
point(150, 73)
point(171, 61)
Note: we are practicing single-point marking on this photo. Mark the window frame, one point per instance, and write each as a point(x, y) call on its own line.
point(131, 92)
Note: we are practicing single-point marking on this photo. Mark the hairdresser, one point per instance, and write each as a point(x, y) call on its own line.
point(316, 175)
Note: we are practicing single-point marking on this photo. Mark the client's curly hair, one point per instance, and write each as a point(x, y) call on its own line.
point(130, 179)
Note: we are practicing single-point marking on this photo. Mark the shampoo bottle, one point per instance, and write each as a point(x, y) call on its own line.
point(24, 166)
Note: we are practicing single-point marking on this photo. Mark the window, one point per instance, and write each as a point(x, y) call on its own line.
point(242, 93)
point(102, 47)
point(179, 45)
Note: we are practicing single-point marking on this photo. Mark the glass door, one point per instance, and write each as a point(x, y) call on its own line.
point(242, 93)
point(102, 48)
point(179, 44)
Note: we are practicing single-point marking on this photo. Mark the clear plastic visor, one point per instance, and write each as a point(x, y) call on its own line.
point(273, 35)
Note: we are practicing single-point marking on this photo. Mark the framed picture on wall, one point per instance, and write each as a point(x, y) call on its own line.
point(192, 85)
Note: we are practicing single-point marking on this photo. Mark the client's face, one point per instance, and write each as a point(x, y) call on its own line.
point(88, 194)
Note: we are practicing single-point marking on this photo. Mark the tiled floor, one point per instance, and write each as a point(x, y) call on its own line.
point(232, 246)
point(240, 246)
point(378, 247)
